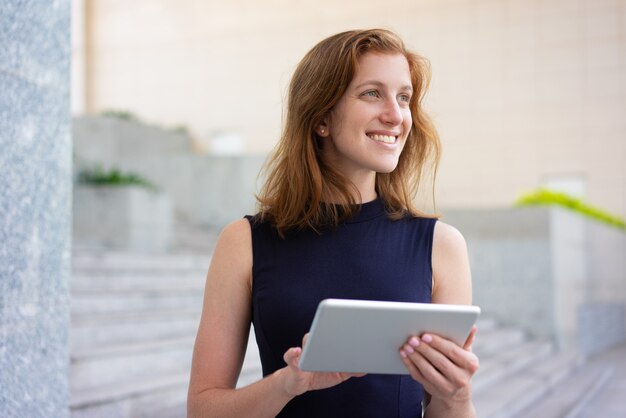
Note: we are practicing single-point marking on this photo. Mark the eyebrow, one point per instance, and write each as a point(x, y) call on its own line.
point(377, 83)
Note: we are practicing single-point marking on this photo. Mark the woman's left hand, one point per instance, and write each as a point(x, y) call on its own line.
point(442, 367)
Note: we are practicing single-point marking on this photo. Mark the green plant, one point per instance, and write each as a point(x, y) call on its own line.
point(113, 177)
point(120, 114)
point(180, 129)
point(544, 196)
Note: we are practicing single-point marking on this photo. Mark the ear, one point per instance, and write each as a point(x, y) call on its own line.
point(321, 129)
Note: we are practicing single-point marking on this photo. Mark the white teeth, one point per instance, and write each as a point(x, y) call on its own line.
point(383, 138)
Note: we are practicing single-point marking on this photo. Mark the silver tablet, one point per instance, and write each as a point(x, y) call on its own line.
point(362, 336)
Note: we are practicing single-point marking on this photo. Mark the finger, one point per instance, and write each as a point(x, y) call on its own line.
point(432, 363)
point(449, 350)
point(292, 356)
point(443, 375)
point(470, 339)
point(431, 377)
point(346, 376)
point(304, 339)
point(411, 367)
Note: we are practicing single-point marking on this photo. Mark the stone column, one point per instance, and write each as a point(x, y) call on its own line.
point(35, 189)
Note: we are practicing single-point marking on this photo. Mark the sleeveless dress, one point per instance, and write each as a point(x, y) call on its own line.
point(368, 257)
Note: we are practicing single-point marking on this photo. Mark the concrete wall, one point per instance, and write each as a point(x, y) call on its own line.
point(522, 90)
point(510, 257)
point(601, 326)
point(607, 248)
point(35, 201)
point(128, 217)
point(538, 267)
point(206, 189)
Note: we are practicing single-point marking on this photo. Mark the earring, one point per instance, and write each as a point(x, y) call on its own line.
point(322, 130)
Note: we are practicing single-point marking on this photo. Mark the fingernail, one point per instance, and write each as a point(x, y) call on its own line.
point(408, 349)
point(403, 354)
point(427, 338)
point(414, 342)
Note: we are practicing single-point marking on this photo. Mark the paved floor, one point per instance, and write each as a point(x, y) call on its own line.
point(610, 401)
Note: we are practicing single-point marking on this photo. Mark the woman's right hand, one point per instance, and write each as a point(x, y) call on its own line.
point(296, 381)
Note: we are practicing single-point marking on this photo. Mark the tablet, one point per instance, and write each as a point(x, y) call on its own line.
point(363, 336)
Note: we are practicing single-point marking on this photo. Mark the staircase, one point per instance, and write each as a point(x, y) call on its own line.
point(134, 319)
point(521, 377)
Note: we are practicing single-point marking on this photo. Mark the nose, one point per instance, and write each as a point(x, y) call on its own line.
point(391, 114)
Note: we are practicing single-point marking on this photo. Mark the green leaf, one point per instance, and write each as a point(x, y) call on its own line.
point(114, 177)
point(547, 197)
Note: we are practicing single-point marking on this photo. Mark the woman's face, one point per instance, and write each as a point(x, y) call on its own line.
point(365, 132)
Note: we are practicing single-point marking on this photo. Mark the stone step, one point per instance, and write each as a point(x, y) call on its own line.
point(194, 241)
point(150, 398)
point(126, 301)
point(121, 391)
point(606, 399)
point(107, 365)
point(497, 340)
point(146, 394)
point(138, 261)
point(114, 271)
point(508, 397)
point(508, 362)
point(138, 280)
point(154, 397)
point(116, 329)
point(571, 395)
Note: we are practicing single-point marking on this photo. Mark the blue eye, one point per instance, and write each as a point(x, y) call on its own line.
point(371, 93)
point(405, 98)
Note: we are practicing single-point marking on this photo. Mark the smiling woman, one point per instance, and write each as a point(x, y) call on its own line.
point(304, 195)
point(337, 220)
point(365, 132)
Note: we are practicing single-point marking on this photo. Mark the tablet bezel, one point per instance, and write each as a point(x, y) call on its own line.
point(361, 336)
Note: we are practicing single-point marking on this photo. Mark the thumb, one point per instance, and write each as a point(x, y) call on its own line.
point(292, 356)
point(470, 339)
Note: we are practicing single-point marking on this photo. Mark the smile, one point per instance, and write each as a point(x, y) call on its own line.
point(387, 139)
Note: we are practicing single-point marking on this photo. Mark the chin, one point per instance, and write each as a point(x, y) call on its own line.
point(386, 170)
point(386, 167)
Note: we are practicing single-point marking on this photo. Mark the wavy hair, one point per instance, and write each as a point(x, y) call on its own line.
point(299, 184)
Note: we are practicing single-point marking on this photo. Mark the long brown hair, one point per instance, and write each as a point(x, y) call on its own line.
point(299, 183)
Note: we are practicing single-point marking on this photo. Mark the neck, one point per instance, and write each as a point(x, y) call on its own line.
point(363, 179)
point(365, 183)
point(367, 193)
point(363, 192)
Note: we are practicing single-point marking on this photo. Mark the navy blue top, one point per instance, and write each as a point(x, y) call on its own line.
point(369, 257)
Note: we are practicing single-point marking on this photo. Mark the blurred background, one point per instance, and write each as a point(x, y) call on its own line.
point(525, 93)
point(175, 106)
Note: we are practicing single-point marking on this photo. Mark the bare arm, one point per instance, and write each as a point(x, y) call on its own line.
point(222, 339)
point(444, 368)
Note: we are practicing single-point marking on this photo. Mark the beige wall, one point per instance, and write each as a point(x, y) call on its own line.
point(522, 91)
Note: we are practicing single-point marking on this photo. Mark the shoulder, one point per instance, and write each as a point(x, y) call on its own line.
point(235, 244)
point(452, 282)
point(236, 232)
point(448, 239)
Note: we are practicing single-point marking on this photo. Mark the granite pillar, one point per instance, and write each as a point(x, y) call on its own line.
point(35, 207)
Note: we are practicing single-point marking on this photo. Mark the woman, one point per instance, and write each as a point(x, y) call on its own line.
point(336, 219)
